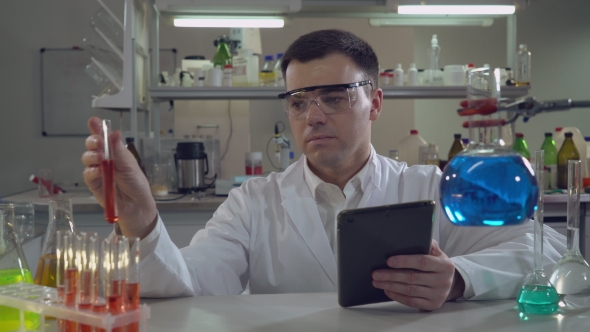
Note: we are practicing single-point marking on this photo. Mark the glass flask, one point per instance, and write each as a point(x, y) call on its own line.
point(537, 295)
point(60, 218)
point(487, 184)
point(571, 275)
point(13, 269)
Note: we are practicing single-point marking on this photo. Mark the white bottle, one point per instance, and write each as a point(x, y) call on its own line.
point(413, 75)
point(245, 68)
point(409, 146)
point(176, 77)
point(434, 76)
point(227, 75)
point(558, 137)
point(399, 75)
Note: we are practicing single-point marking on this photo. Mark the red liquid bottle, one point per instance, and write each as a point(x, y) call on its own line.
point(108, 177)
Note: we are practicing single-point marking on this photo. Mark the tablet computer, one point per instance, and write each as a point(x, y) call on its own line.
point(368, 236)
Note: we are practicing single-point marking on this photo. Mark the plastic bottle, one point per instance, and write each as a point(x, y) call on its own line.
point(521, 147)
point(227, 75)
point(245, 68)
point(567, 152)
point(550, 161)
point(393, 155)
point(456, 147)
point(409, 146)
point(279, 79)
point(432, 156)
point(267, 74)
point(222, 55)
point(383, 79)
point(413, 75)
point(399, 76)
point(558, 137)
point(434, 76)
point(522, 70)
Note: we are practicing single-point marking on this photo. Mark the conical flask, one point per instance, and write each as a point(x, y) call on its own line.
point(571, 275)
point(60, 218)
point(13, 269)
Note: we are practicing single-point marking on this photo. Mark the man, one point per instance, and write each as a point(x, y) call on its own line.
point(278, 233)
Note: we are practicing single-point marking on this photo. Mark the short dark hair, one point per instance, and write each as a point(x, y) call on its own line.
point(322, 43)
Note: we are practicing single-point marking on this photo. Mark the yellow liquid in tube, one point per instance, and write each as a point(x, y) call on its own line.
point(10, 317)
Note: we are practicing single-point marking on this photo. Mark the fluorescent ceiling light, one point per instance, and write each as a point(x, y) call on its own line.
point(455, 10)
point(229, 22)
point(431, 21)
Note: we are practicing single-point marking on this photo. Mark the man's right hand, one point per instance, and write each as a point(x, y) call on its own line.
point(135, 204)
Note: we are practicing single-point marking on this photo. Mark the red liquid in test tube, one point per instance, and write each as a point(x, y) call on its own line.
point(108, 177)
point(132, 299)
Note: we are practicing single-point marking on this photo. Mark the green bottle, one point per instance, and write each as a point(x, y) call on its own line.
point(222, 56)
point(567, 152)
point(550, 161)
point(521, 147)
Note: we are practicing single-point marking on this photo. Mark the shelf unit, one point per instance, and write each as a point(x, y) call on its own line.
point(161, 94)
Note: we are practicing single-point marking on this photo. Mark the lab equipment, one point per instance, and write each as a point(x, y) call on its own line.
point(158, 177)
point(398, 79)
point(254, 163)
point(117, 276)
point(434, 75)
point(222, 55)
point(384, 79)
point(86, 251)
point(24, 220)
point(192, 165)
point(13, 269)
point(571, 274)
point(214, 77)
point(60, 218)
point(413, 75)
point(132, 286)
point(550, 169)
point(408, 148)
point(245, 68)
point(487, 184)
point(108, 176)
point(537, 295)
point(567, 152)
point(432, 155)
point(45, 183)
point(454, 75)
point(279, 79)
point(227, 75)
point(393, 155)
point(522, 70)
point(456, 147)
point(267, 74)
point(282, 151)
point(580, 144)
point(521, 147)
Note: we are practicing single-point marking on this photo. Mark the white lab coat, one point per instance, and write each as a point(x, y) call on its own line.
point(269, 233)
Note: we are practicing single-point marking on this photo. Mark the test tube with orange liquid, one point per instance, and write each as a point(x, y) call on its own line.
point(99, 303)
point(86, 250)
point(116, 286)
point(132, 291)
point(70, 278)
point(108, 176)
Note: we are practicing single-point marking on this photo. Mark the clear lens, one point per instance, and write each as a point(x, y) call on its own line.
point(329, 100)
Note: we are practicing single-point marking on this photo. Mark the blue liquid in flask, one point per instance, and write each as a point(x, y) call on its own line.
point(488, 190)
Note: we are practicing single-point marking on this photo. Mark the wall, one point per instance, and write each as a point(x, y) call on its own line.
point(558, 35)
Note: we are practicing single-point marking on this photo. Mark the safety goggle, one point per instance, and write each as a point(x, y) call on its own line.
point(330, 99)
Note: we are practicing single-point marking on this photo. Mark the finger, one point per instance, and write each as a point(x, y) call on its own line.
point(406, 289)
point(411, 277)
point(92, 178)
point(435, 249)
point(94, 142)
point(418, 262)
point(95, 125)
point(414, 302)
point(124, 160)
point(92, 158)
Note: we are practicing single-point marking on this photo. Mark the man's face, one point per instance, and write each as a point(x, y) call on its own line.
point(332, 140)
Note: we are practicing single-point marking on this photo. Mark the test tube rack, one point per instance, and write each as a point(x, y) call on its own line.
point(44, 301)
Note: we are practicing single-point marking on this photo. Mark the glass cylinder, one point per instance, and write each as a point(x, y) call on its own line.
point(487, 184)
point(60, 218)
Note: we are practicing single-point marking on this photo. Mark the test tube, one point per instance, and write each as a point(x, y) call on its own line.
point(132, 298)
point(70, 277)
point(108, 176)
point(86, 248)
point(99, 303)
point(116, 289)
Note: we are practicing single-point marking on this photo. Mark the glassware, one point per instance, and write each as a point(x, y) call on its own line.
point(158, 177)
point(70, 276)
point(487, 184)
point(567, 152)
point(108, 176)
point(522, 72)
point(108, 27)
point(132, 285)
point(456, 147)
point(521, 147)
point(86, 250)
point(571, 275)
point(24, 220)
point(100, 304)
point(537, 295)
point(117, 276)
point(45, 184)
point(550, 161)
point(13, 269)
point(60, 218)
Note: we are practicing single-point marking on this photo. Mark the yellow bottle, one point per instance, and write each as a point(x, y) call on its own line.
point(567, 152)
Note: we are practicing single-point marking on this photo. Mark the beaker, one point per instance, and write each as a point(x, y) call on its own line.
point(13, 269)
point(537, 295)
point(60, 218)
point(487, 184)
point(571, 274)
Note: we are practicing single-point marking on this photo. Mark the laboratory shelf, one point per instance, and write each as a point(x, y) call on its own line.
point(269, 93)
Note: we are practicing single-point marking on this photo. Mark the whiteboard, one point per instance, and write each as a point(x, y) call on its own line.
point(66, 91)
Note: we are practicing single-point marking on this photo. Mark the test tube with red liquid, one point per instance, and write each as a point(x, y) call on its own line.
point(60, 273)
point(70, 277)
point(108, 176)
point(99, 303)
point(132, 291)
point(86, 248)
point(116, 286)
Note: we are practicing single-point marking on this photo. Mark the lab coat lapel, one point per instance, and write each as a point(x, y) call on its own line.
point(303, 212)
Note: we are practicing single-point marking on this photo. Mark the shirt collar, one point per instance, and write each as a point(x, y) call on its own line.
point(313, 181)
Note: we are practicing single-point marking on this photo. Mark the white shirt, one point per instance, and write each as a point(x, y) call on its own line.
point(331, 200)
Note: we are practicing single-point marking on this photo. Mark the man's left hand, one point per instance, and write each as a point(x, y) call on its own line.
point(421, 281)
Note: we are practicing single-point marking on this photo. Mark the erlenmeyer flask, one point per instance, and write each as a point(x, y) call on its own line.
point(571, 275)
point(487, 184)
point(60, 218)
point(537, 295)
point(13, 269)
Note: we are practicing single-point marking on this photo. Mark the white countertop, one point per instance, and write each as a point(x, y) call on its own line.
point(320, 312)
